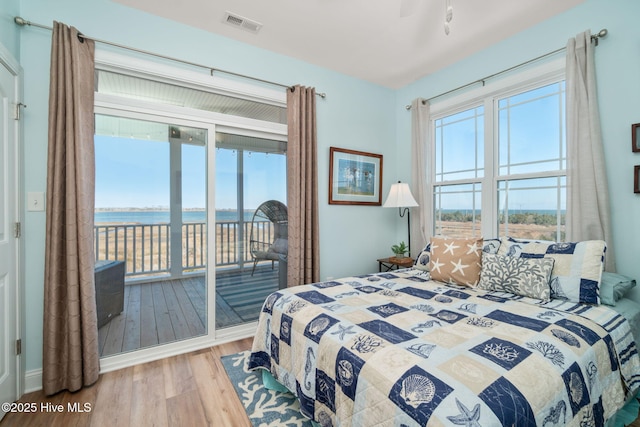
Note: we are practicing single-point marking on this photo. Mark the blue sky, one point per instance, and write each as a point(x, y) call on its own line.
point(135, 173)
point(529, 131)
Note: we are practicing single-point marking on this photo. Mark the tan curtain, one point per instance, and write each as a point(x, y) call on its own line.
point(70, 359)
point(302, 187)
point(588, 212)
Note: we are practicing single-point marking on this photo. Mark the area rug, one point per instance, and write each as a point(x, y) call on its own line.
point(629, 413)
point(264, 407)
point(243, 294)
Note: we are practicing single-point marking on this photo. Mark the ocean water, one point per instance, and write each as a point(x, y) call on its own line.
point(162, 216)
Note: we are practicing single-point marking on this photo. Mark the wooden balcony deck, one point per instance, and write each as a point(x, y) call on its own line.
point(175, 309)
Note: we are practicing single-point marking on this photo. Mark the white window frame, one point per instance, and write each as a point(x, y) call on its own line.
point(487, 95)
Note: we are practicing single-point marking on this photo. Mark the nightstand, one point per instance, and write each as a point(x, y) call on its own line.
point(393, 263)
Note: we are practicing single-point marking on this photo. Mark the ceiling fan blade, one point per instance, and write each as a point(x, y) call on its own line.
point(408, 7)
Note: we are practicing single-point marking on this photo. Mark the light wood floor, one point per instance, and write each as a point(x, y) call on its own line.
point(186, 390)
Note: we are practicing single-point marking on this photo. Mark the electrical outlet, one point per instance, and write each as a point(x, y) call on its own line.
point(35, 201)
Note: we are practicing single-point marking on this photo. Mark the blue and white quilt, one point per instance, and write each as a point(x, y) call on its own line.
point(397, 349)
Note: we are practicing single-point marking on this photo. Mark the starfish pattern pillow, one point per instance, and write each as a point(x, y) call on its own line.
point(422, 262)
point(456, 261)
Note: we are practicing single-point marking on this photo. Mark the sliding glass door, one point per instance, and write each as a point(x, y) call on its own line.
point(152, 279)
point(184, 233)
point(182, 167)
point(251, 223)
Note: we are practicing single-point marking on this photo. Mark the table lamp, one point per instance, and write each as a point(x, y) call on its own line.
point(400, 197)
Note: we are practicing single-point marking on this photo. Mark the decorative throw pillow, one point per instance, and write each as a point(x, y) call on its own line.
point(422, 261)
point(280, 246)
point(456, 260)
point(528, 277)
point(577, 270)
point(491, 246)
point(513, 247)
point(510, 247)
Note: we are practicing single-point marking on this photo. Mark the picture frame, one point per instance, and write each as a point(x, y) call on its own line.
point(635, 138)
point(355, 177)
point(636, 179)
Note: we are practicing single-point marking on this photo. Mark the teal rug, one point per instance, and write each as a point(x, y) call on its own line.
point(264, 407)
point(628, 414)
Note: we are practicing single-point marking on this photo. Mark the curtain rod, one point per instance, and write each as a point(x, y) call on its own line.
point(594, 38)
point(22, 22)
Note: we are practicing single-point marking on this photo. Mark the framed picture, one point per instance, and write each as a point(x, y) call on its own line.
point(355, 177)
point(636, 179)
point(635, 138)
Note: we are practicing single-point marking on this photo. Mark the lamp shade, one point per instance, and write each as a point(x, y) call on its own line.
point(400, 197)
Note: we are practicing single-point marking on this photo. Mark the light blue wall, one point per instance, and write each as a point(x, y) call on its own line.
point(618, 76)
point(9, 32)
point(355, 115)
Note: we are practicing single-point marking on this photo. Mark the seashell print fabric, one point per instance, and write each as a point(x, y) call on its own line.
point(398, 349)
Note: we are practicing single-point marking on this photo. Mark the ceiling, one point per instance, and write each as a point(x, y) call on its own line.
point(388, 42)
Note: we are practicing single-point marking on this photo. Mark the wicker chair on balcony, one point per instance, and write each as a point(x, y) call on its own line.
point(269, 242)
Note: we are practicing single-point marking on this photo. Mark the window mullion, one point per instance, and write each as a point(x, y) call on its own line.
point(489, 207)
point(562, 133)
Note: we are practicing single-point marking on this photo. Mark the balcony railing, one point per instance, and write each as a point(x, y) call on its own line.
point(146, 248)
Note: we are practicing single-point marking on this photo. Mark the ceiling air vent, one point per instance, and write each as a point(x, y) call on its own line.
point(241, 22)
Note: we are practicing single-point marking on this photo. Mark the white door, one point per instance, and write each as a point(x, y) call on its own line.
point(8, 215)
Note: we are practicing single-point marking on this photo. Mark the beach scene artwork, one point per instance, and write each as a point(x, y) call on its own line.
point(356, 177)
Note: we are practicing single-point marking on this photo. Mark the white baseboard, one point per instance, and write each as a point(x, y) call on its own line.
point(33, 381)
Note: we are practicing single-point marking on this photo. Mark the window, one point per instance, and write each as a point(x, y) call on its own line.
point(499, 163)
point(459, 169)
point(531, 179)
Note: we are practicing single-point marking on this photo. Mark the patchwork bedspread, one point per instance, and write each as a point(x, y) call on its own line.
point(397, 349)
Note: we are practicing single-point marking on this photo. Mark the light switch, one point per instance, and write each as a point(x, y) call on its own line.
point(35, 201)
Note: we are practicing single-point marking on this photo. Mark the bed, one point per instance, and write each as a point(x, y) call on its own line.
point(402, 349)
